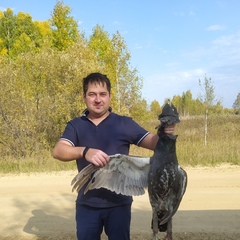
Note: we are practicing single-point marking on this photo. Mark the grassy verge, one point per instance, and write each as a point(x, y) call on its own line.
point(223, 143)
point(37, 164)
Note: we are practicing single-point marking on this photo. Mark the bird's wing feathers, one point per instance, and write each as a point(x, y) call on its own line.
point(82, 177)
point(124, 174)
point(183, 182)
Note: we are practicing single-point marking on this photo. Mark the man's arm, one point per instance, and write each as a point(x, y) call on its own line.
point(150, 141)
point(64, 151)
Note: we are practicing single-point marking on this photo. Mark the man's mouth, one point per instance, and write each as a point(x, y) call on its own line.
point(98, 106)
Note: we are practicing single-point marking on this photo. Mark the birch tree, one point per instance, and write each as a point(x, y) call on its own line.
point(207, 97)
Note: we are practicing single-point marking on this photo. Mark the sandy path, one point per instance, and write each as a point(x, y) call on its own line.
point(41, 206)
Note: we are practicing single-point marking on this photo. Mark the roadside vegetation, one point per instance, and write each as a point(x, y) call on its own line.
point(223, 141)
point(222, 147)
point(41, 68)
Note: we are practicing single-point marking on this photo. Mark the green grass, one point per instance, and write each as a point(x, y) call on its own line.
point(223, 146)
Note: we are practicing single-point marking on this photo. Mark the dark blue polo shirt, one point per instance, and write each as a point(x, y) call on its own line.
point(113, 135)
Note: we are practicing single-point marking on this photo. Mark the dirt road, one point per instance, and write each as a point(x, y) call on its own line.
point(41, 206)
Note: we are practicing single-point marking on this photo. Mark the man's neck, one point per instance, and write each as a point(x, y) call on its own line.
point(96, 119)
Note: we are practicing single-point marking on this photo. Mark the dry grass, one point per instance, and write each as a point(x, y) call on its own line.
point(223, 143)
point(223, 140)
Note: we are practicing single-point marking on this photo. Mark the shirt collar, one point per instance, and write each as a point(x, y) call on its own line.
point(85, 112)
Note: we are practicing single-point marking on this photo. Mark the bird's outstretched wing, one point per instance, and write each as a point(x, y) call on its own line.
point(124, 174)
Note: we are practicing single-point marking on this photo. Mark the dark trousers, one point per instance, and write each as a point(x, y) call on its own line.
point(91, 221)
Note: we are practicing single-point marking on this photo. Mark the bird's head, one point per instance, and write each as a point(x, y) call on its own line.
point(168, 117)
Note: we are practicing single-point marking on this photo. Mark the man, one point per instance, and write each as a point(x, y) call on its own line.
point(91, 138)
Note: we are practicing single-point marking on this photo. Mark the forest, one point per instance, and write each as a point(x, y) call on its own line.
point(42, 67)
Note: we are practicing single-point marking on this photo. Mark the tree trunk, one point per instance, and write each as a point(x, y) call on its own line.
point(206, 127)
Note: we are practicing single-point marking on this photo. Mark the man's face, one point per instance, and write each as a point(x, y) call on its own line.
point(97, 99)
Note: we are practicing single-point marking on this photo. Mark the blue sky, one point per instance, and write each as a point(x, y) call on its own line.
point(172, 43)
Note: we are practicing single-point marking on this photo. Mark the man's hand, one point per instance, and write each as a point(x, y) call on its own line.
point(97, 157)
point(170, 129)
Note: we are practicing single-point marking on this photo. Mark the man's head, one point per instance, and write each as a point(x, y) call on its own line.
point(96, 78)
point(97, 96)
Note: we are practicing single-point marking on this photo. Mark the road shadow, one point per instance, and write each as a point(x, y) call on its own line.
point(50, 217)
point(207, 224)
point(44, 225)
point(199, 221)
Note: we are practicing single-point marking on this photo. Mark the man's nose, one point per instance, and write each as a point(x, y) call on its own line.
point(97, 98)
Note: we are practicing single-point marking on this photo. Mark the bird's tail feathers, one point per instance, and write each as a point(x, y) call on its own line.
point(167, 216)
point(162, 227)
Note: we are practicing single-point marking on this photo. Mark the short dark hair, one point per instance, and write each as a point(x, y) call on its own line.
point(98, 78)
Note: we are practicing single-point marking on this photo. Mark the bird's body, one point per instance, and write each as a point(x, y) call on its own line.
point(167, 181)
point(129, 175)
point(166, 185)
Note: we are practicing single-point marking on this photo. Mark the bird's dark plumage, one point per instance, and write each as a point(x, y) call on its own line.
point(129, 175)
point(166, 179)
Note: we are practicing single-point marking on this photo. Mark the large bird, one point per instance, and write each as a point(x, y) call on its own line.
point(167, 181)
point(130, 175)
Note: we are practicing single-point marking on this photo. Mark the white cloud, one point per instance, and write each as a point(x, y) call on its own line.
point(175, 80)
point(219, 60)
point(183, 14)
point(162, 86)
point(216, 27)
point(222, 51)
point(137, 46)
point(227, 40)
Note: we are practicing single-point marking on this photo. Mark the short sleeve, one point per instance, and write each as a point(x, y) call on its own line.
point(136, 132)
point(70, 134)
